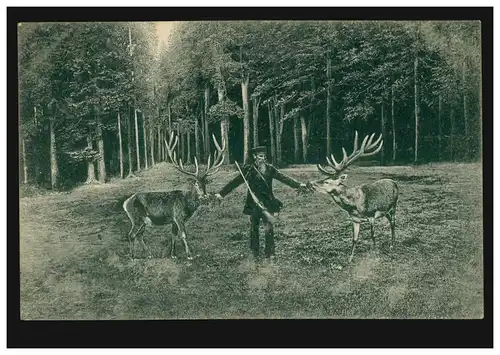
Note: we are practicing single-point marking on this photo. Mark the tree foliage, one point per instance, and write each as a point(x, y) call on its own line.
point(72, 73)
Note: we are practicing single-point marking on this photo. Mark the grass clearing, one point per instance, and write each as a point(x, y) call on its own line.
point(435, 270)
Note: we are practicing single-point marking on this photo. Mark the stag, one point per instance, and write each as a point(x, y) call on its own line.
point(365, 202)
point(175, 207)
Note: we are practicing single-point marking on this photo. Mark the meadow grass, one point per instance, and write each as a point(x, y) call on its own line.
point(75, 264)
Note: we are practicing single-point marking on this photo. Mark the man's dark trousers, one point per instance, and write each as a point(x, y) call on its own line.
point(255, 218)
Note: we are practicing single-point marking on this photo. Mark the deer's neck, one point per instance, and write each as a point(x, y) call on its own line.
point(348, 198)
point(194, 198)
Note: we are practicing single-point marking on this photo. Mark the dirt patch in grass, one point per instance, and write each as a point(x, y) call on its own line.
point(75, 263)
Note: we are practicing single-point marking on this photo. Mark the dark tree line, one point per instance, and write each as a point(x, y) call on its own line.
point(98, 99)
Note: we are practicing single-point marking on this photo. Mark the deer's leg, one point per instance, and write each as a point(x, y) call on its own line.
point(182, 232)
point(134, 218)
point(254, 233)
point(131, 241)
point(372, 233)
point(355, 230)
point(140, 236)
point(175, 232)
point(132, 237)
point(392, 220)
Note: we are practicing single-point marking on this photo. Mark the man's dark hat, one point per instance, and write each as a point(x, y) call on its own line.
point(259, 149)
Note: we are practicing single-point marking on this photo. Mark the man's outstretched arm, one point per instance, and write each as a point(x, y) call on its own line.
point(287, 180)
point(230, 186)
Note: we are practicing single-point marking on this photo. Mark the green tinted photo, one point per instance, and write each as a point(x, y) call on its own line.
point(250, 169)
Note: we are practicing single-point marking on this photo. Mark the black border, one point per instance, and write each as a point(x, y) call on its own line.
point(258, 333)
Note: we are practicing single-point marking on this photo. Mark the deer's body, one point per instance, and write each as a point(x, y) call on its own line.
point(175, 207)
point(161, 208)
point(365, 202)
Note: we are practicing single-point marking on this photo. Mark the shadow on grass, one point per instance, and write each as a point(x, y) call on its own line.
point(417, 179)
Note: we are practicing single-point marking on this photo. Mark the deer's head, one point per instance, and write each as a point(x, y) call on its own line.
point(330, 185)
point(335, 182)
point(198, 179)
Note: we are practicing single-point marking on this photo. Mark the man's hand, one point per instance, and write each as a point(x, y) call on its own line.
point(303, 189)
point(216, 199)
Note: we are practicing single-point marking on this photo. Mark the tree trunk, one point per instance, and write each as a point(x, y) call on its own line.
point(120, 143)
point(201, 125)
point(224, 125)
point(466, 121)
point(188, 147)
point(144, 135)
point(129, 145)
point(184, 146)
point(152, 143)
point(157, 104)
point(224, 131)
point(296, 152)
point(196, 140)
point(90, 164)
point(206, 132)
point(180, 145)
point(394, 147)
point(101, 166)
point(304, 138)
point(167, 132)
point(255, 113)
point(246, 119)
point(440, 130)
point(328, 105)
point(54, 170)
point(25, 165)
point(160, 144)
point(271, 132)
point(169, 112)
point(163, 148)
point(417, 108)
point(382, 128)
point(137, 141)
point(311, 111)
point(279, 131)
point(452, 132)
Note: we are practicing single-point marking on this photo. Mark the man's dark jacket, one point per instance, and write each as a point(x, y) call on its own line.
point(261, 184)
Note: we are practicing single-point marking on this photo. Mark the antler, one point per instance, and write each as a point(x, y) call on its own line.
point(171, 153)
point(218, 158)
point(367, 149)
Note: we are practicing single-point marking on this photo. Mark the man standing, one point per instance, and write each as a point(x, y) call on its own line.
point(259, 175)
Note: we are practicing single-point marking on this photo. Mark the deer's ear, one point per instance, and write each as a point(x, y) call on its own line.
point(343, 177)
point(191, 180)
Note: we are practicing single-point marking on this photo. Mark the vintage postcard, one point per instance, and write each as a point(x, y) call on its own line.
point(250, 169)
